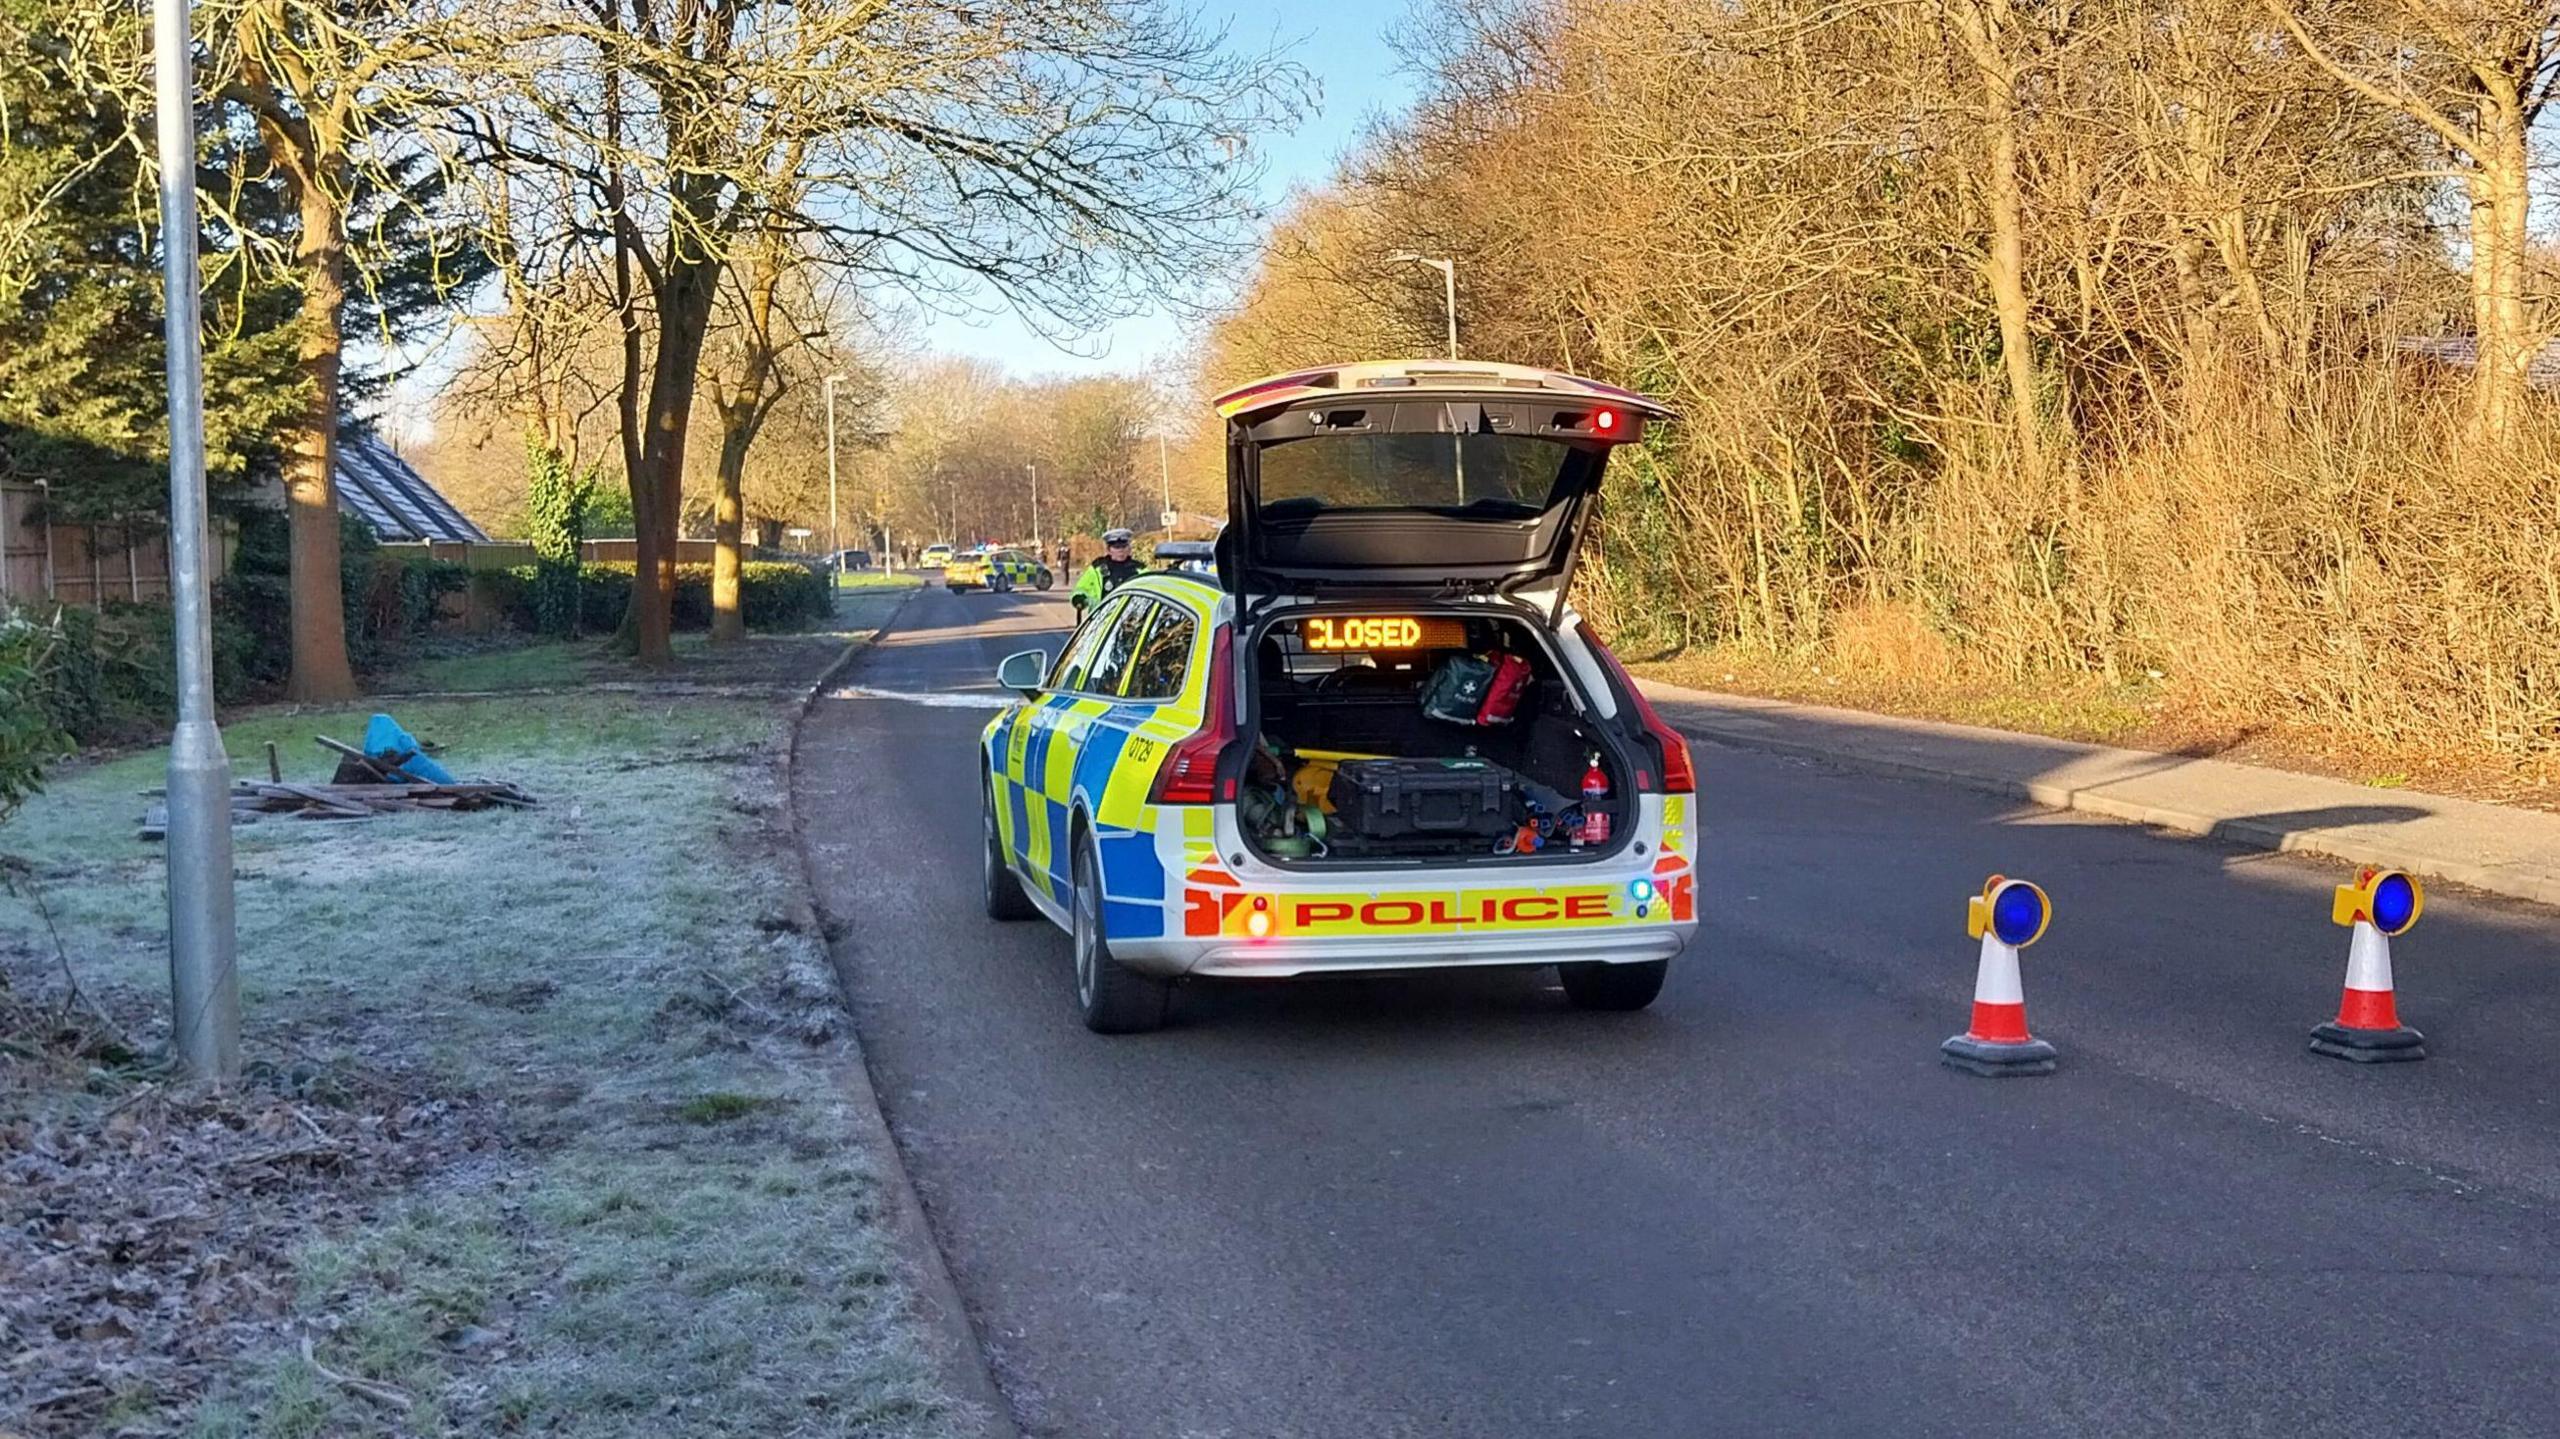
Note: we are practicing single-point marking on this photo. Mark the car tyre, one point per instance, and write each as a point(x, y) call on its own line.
point(1004, 896)
point(1613, 986)
point(1043, 581)
point(1114, 998)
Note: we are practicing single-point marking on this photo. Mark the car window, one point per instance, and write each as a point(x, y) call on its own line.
point(1513, 475)
point(1111, 657)
point(1073, 660)
point(1164, 656)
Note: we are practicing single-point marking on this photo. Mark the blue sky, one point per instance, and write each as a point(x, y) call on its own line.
point(1343, 44)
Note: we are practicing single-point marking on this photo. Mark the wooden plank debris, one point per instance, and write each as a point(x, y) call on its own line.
point(392, 792)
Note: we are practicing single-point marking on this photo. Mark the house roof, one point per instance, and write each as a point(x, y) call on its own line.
point(378, 487)
point(2463, 352)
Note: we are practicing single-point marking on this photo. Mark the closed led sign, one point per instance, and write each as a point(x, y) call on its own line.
point(1380, 632)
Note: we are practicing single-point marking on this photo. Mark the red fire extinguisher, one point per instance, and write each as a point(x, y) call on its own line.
point(1595, 798)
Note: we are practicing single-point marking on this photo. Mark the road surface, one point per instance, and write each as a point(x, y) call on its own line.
point(1454, 1206)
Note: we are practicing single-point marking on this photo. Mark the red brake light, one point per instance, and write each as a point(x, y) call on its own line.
point(1679, 772)
point(1189, 774)
point(1604, 420)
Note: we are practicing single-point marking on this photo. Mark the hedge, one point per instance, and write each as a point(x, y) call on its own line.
point(389, 597)
point(111, 674)
point(112, 678)
point(775, 595)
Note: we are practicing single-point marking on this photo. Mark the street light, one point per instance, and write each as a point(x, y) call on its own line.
point(204, 982)
point(1448, 288)
point(1035, 507)
point(835, 543)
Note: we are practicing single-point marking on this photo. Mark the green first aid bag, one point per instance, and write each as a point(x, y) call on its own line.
point(1456, 692)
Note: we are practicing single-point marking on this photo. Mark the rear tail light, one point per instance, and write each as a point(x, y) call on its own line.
point(1189, 774)
point(1679, 773)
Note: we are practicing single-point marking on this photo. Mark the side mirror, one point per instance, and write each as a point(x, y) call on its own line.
point(1023, 671)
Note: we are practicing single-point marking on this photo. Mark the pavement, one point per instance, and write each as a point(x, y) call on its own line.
point(2502, 850)
point(1452, 1205)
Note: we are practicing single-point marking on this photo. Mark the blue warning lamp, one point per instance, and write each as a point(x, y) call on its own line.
point(2387, 899)
point(2012, 911)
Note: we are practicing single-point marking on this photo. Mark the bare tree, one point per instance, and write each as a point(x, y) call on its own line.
point(2476, 76)
point(772, 318)
point(1074, 159)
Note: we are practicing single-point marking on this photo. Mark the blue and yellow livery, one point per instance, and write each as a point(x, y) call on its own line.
point(1117, 792)
point(996, 569)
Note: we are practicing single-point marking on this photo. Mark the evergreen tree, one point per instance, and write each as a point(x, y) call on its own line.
point(82, 385)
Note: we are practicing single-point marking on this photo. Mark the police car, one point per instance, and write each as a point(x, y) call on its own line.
point(996, 569)
point(1377, 738)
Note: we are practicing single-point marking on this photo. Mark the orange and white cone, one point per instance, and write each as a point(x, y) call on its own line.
point(2368, 1028)
point(1998, 1042)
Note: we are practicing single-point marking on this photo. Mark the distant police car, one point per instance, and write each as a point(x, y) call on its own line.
point(1378, 739)
point(996, 569)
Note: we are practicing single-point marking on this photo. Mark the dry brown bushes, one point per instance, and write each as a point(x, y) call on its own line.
point(2012, 341)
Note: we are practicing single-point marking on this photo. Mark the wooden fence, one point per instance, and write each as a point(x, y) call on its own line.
point(45, 561)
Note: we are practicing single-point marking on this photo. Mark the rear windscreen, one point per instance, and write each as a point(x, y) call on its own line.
point(1492, 475)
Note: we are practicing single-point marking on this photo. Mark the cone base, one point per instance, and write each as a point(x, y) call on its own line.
point(2368, 1046)
point(1995, 1059)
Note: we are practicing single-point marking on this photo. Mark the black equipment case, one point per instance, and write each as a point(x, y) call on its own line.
point(1379, 802)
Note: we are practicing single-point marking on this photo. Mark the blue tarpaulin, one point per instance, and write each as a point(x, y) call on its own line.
point(388, 745)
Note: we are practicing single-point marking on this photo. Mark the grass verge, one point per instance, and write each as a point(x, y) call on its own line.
point(541, 1132)
point(2144, 714)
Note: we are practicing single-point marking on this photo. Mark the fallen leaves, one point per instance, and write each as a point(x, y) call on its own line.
point(148, 1239)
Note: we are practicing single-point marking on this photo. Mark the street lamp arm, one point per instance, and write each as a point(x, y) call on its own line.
point(1448, 269)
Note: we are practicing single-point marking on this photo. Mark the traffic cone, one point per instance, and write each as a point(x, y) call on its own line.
point(2368, 1028)
point(1998, 1042)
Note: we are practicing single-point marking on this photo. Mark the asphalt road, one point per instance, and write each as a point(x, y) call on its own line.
point(1453, 1206)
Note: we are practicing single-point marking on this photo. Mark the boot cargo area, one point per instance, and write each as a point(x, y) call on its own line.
point(1423, 739)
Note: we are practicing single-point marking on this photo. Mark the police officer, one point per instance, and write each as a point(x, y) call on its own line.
point(1116, 567)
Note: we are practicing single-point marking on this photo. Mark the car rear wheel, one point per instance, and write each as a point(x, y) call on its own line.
point(1613, 986)
point(1115, 999)
point(1005, 899)
point(1043, 581)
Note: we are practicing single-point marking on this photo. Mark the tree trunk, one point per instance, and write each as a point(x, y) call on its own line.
point(684, 316)
point(1982, 24)
point(2203, 359)
point(320, 671)
point(728, 521)
point(2501, 200)
point(742, 414)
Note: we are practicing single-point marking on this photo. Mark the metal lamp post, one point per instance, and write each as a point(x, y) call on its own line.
point(1035, 506)
point(1448, 288)
point(204, 980)
point(835, 542)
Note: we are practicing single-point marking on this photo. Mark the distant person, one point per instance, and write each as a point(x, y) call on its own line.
point(1116, 568)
